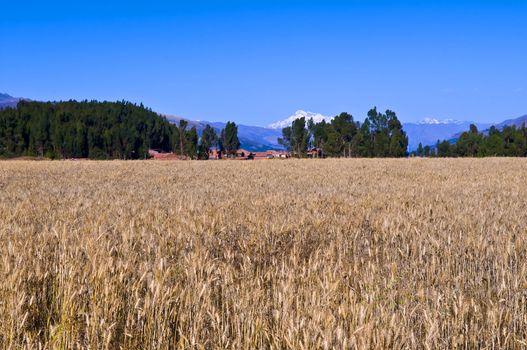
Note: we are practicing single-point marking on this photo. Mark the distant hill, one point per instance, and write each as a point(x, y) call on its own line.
point(252, 138)
point(7, 101)
point(518, 122)
point(428, 131)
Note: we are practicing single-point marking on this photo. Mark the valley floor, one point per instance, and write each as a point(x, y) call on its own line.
point(406, 253)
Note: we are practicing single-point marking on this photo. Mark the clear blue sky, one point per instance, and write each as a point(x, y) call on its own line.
point(258, 61)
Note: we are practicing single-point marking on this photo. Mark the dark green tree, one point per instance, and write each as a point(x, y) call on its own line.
point(229, 139)
point(295, 137)
point(320, 134)
point(182, 136)
point(191, 143)
point(311, 128)
point(208, 140)
point(379, 133)
point(299, 137)
point(398, 138)
point(285, 140)
point(365, 147)
point(345, 128)
point(444, 149)
point(420, 151)
point(427, 151)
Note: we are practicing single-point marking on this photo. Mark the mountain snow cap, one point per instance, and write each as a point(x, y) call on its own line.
point(437, 121)
point(317, 118)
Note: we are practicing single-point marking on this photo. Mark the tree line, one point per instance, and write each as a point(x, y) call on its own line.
point(380, 135)
point(507, 142)
point(123, 130)
point(103, 130)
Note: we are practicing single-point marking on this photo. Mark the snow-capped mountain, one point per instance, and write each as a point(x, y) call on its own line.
point(317, 118)
point(433, 121)
point(426, 131)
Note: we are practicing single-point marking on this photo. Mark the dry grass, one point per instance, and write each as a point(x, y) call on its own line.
point(271, 254)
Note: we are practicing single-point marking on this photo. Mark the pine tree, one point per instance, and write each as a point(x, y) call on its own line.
point(299, 137)
point(420, 150)
point(191, 143)
point(82, 129)
point(208, 140)
point(229, 138)
point(182, 136)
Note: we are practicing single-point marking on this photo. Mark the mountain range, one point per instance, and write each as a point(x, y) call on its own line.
point(428, 131)
point(252, 138)
point(518, 122)
point(257, 138)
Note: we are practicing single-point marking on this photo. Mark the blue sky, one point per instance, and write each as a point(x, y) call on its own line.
point(258, 61)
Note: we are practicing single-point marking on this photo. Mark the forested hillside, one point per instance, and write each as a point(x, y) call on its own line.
point(87, 129)
point(510, 141)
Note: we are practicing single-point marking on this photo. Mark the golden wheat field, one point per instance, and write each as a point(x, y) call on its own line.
point(296, 254)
